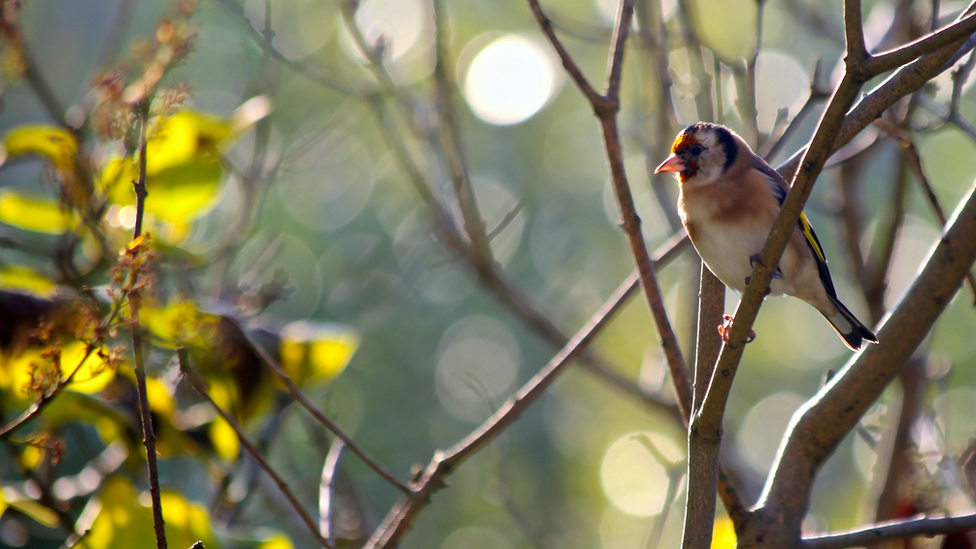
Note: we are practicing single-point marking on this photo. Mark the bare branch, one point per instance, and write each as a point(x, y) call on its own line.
point(567, 60)
point(134, 298)
point(318, 76)
point(296, 393)
point(820, 425)
point(896, 529)
point(703, 453)
point(895, 58)
point(904, 81)
point(854, 32)
point(444, 462)
point(201, 387)
point(327, 487)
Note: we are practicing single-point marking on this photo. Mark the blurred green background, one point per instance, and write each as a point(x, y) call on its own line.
point(438, 353)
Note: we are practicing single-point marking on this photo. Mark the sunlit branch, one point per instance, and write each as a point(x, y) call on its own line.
point(896, 529)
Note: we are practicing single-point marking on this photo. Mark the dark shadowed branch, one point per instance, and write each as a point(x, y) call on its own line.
point(200, 386)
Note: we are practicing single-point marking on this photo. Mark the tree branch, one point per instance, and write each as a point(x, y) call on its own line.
point(820, 425)
point(896, 529)
point(567, 60)
point(201, 388)
point(134, 297)
point(895, 58)
point(296, 393)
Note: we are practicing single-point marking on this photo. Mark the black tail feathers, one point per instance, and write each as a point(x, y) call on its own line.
point(849, 328)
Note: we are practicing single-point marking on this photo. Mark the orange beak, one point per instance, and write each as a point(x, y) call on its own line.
point(672, 164)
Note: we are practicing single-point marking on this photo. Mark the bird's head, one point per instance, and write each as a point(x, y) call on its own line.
point(702, 153)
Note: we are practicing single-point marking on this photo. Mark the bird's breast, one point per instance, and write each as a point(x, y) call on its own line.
point(726, 245)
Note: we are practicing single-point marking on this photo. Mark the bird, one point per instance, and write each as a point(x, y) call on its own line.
point(729, 199)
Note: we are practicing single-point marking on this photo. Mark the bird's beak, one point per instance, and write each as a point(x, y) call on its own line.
point(672, 164)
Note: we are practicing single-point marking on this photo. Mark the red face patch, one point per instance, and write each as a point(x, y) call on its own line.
point(684, 141)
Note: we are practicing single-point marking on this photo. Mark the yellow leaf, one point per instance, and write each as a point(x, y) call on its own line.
point(183, 137)
point(111, 424)
point(316, 352)
point(179, 323)
point(3, 503)
point(177, 192)
point(31, 508)
point(56, 144)
point(277, 541)
point(224, 439)
point(27, 280)
point(92, 374)
point(39, 214)
point(723, 534)
point(124, 522)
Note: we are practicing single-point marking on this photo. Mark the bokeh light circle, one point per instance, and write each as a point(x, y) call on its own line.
point(510, 80)
point(632, 478)
point(478, 361)
point(329, 185)
point(763, 428)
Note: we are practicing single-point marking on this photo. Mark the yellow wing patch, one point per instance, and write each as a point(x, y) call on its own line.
point(811, 238)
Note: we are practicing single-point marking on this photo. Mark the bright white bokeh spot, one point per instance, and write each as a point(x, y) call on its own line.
point(478, 361)
point(632, 479)
point(763, 428)
point(509, 80)
point(781, 82)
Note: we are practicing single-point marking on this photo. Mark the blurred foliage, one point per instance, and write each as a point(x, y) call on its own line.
point(281, 217)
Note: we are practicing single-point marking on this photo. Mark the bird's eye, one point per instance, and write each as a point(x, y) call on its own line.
point(697, 150)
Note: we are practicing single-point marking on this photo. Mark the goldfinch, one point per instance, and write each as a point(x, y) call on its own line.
point(729, 200)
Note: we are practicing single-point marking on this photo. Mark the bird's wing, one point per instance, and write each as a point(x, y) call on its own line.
point(780, 188)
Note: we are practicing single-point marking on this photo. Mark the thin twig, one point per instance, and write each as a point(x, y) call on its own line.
point(474, 224)
point(12, 34)
point(564, 57)
point(148, 435)
point(201, 388)
point(773, 145)
point(296, 393)
point(327, 490)
point(915, 164)
point(318, 76)
point(444, 462)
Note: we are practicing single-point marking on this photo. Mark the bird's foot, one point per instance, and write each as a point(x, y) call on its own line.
point(726, 329)
point(757, 259)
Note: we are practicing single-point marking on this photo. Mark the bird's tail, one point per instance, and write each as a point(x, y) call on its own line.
point(848, 327)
